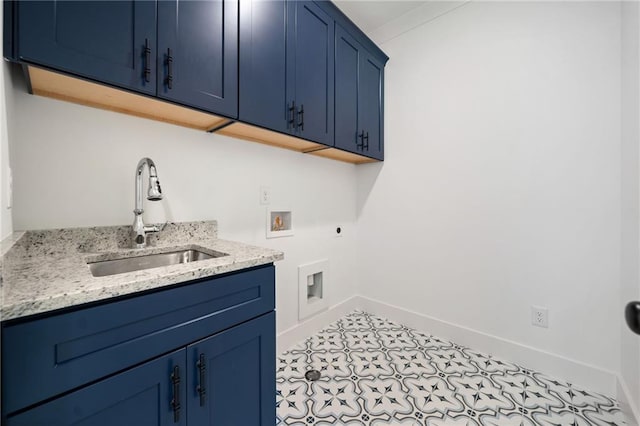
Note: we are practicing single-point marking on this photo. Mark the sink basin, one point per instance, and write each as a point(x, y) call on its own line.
point(137, 263)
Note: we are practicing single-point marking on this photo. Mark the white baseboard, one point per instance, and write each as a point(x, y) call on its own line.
point(628, 406)
point(299, 332)
point(583, 375)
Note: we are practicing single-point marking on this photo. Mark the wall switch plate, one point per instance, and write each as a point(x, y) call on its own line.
point(265, 195)
point(540, 316)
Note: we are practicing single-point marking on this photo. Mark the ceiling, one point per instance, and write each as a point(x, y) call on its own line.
point(370, 15)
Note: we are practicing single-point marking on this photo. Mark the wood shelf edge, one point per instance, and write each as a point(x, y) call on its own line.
point(345, 156)
point(63, 87)
point(268, 137)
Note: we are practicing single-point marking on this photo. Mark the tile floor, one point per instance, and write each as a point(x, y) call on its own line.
point(378, 372)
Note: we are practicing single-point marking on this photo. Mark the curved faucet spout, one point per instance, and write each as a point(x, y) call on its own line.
point(140, 231)
point(155, 192)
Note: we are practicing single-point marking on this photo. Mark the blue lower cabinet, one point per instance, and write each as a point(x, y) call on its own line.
point(198, 354)
point(226, 379)
point(233, 376)
point(152, 394)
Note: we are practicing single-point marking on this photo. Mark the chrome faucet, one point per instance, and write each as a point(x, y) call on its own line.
point(140, 230)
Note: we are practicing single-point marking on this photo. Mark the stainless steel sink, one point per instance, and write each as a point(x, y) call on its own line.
point(137, 263)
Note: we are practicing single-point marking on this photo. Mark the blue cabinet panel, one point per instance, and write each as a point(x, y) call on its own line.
point(286, 68)
point(100, 40)
point(198, 54)
point(233, 376)
point(48, 356)
point(348, 53)
point(141, 396)
point(359, 98)
point(311, 70)
point(263, 95)
point(371, 105)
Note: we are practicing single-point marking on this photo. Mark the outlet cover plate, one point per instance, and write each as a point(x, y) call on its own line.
point(540, 316)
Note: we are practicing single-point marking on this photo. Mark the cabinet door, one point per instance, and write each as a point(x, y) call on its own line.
point(371, 106)
point(348, 53)
point(100, 40)
point(198, 54)
point(231, 376)
point(263, 97)
point(141, 396)
point(310, 70)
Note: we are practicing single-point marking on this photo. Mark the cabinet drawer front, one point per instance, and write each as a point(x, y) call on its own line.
point(45, 357)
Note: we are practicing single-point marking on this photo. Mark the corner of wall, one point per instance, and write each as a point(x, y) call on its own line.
point(627, 405)
point(6, 101)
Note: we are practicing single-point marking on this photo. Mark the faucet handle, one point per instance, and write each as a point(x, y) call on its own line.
point(152, 228)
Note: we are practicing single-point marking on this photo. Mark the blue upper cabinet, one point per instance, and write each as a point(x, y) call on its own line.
point(113, 42)
point(291, 73)
point(263, 96)
point(359, 100)
point(310, 70)
point(152, 394)
point(182, 51)
point(198, 54)
point(348, 54)
point(370, 107)
point(286, 68)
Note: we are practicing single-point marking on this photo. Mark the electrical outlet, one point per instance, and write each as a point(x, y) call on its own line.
point(265, 195)
point(540, 316)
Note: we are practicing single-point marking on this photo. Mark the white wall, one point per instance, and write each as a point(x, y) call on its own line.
point(501, 185)
point(74, 166)
point(6, 103)
point(500, 189)
point(630, 124)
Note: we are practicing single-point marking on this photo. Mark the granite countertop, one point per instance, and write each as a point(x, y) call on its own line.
point(47, 270)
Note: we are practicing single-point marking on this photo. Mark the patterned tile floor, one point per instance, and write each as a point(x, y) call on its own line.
point(377, 372)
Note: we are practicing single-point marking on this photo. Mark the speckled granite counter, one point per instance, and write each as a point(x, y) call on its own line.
point(47, 270)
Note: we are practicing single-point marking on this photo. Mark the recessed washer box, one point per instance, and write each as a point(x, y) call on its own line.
point(313, 280)
point(279, 223)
